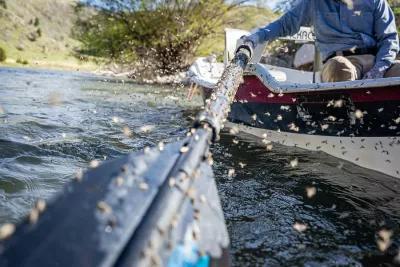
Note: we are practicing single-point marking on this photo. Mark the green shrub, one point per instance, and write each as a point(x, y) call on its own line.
point(32, 36)
point(161, 35)
point(22, 61)
point(3, 4)
point(2, 54)
point(36, 23)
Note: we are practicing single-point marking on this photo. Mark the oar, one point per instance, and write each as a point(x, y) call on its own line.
point(158, 207)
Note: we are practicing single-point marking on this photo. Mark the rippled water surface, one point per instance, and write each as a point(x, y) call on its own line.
point(53, 123)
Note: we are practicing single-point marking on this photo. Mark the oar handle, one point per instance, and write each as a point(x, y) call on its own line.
point(247, 48)
point(217, 106)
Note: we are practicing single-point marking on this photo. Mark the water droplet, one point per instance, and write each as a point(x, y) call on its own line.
point(172, 182)
point(311, 191)
point(338, 103)
point(266, 141)
point(300, 227)
point(143, 186)
point(103, 207)
point(94, 163)
point(126, 131)
point(115, 119)
point(147, 128)
point(385, 234)
point(33, 216)
point(359, 114)
point(119, 181)
point(286, 108)
point(6, 230)
point(40, 205)
point(331, 118)
point(234, 130)
point(79, 175)
point(184, 149)
point(161, 146)
point(294, 163)
point(203, 198)
point(293, 127)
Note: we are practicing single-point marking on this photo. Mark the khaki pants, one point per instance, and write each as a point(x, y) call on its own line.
point(352, 68)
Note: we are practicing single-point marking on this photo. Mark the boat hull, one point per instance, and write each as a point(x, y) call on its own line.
point(357, 125)
point(376, 153)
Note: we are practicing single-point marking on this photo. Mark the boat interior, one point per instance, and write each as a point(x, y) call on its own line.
point(280, 79)
point(285, 80)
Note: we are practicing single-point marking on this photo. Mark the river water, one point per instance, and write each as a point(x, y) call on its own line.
point(318, 212)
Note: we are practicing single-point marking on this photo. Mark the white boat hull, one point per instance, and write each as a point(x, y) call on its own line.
point(377, 153)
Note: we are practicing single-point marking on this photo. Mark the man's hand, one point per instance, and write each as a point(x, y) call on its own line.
point(376, 72)
point(252, 39)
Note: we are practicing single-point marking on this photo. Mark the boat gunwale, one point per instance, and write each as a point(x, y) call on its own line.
point(274, 86)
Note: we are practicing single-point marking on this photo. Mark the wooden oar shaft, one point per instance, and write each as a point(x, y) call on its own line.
point(218, 105)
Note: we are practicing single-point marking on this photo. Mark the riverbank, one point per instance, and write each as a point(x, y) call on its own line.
point(110, 71)
point(68, 65)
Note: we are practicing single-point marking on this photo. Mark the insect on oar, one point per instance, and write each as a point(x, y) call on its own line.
point(158, 207)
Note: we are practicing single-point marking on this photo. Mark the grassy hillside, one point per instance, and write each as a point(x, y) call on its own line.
point(38, 32)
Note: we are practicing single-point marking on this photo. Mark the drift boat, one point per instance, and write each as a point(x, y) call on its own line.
point(357, 121)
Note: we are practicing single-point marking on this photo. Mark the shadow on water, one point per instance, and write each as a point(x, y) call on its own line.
point(267, 197)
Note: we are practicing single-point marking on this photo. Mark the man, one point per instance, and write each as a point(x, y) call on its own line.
point(357, 39)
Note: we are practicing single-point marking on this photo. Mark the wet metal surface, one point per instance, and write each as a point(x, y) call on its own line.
point(283, 207)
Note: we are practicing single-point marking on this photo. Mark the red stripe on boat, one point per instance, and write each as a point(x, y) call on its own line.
point(254, 91)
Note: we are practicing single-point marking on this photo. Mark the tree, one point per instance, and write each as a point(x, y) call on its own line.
point(3, 4)
point(163, 34)
point(3, 56)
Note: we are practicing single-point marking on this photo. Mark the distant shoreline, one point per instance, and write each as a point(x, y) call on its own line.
point(93, 69)
point(70, 64)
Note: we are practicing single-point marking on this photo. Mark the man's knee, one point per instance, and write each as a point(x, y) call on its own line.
point(338, 69)
point(393, 71)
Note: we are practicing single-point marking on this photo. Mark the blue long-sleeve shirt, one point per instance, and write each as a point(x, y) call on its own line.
point(338, 27)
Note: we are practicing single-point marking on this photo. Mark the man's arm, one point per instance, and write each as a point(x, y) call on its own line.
point(387, 39)
point(289, 23)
